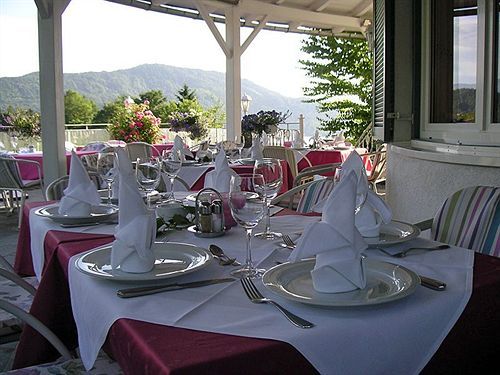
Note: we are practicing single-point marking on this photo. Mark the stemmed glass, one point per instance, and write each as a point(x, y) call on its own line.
point(247, 202)
point(240, 144)
point(272, 173)
point(171, 164)
point(107, 167)
point(148, 172)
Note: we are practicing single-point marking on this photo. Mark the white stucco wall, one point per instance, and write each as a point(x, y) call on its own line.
point(416, 188)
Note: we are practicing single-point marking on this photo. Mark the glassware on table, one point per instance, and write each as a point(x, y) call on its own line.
point(171, 165)
point(240, 144)
point(148, 172)
point(107, 167)
point(247, 202)
point(272, 172)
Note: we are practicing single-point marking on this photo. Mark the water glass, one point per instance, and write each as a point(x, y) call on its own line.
point(247, 202)
point(107, 167)
point(240, 144)
point(272, 174)
point(148, 172)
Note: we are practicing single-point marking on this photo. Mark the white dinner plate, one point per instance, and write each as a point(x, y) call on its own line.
point(393, 233)
point(246, 161)
point(385, 282)
point(172, 259)
point(98, 214)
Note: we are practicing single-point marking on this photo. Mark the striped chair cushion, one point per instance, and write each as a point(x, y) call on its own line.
point(470, 218)
point(315, 193)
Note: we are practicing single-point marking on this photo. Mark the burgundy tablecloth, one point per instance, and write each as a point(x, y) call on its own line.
point(145, 348)
point(30, 172)
point(159, 148)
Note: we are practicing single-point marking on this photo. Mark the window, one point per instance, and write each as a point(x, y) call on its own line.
point(460, 72)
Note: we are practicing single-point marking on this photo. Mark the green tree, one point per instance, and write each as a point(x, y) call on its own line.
point(78, 109)
point(185, 93)
point(341, 82)
point(109, 111)
point(155, 98)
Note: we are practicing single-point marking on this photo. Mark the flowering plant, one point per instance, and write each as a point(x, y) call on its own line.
point(190, 121)
point(135, 123)
point(262, 122)
point(24, 123)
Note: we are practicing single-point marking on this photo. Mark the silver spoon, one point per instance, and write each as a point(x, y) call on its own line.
point(223, 258)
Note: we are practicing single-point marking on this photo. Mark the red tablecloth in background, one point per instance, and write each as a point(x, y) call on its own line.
point(161, 147)
point(30, 172)
point(318, 157)
point(161, 349)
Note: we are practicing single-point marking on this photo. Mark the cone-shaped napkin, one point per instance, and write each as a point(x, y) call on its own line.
point(220, 177)
point(81, 192)
point(256, 149)
point(181, 148)
point(374, 210)
point(136, 230)
point(336, 243)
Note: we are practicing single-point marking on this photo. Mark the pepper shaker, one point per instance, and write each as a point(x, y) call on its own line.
point(217, 213)
point(205, 218)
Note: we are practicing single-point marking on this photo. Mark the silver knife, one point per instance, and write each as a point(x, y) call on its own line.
point(146, 290)
point(432, 283)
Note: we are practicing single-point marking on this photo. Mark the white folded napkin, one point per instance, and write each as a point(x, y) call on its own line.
point(81, 192)
point(256, 151)
point(374, 210)
point(336, 242)
point(136, 230)
point(220, 177)
point(181, 148)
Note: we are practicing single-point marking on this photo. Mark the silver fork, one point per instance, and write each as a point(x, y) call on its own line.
point(288, 241)
point(255, 296)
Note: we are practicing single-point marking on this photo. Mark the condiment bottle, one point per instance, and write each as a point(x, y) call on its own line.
point(205, 218)
point(217, 212)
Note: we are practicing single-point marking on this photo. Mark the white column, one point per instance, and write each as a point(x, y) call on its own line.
point(233, 74)
point(51, 87)
point(301, 127)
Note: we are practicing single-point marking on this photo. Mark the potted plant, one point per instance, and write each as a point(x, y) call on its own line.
point(190, 121)
point(261, 122)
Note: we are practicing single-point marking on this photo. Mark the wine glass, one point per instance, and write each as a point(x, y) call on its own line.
point(171, 164)
point(247, 202)
point(239, 142)
point(271, 170)
point(148, 172)
point(107, 167)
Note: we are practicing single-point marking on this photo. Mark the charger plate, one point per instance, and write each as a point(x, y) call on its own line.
point(246, 161)
point(385, 282)
point(393, 233)
point(98, 214)
point(172, 259)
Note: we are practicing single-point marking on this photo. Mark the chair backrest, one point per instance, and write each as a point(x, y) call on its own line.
point(139, 150)
point(378, 165)
point(470, 218)
point(55, 190)
point(314, 193)
point(10, 177)
point(283, 153)
point(95, 146)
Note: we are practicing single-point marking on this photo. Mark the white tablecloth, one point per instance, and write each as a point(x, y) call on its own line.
point(398, 337)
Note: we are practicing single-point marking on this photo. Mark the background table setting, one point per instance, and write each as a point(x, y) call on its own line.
point(363, 302)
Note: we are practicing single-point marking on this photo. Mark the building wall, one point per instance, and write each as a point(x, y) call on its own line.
point(416, 188)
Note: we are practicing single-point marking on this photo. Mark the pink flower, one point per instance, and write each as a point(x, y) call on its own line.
point(128, 102)
point(148, 113)
point(146, 102)
point(139, 115)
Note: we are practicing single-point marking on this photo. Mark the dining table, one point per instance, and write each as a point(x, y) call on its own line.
point(29, 171)
point(140, 345)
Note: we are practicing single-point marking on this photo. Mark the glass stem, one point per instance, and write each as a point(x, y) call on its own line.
point(172, 188)
point(109, 193)
point(268, 216)
point(249, 262)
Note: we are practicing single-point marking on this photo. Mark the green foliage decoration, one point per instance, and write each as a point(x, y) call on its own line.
point(340, 70)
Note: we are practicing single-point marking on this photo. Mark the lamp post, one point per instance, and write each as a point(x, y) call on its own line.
point(245, 103)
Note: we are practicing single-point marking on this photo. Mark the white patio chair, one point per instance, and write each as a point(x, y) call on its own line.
point(139, 150)
point(55, 190)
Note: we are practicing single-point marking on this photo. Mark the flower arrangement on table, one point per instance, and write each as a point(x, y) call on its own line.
point(135, 123)
point(192, 122)
point(262, 122)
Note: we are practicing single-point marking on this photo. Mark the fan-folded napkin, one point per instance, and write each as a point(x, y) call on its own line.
point(81, 192)
point(336, 243)
point(256, 151)
point(136, 230)
point(220, 177)
point(180, 149)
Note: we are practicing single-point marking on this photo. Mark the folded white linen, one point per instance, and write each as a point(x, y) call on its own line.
point(336, 242)
point(81, 192)
point(180, 149)
point(256, 151)
point(136, 228)
point(220, 177)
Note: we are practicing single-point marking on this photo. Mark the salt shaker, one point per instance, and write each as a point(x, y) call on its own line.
point(205, 218)
point(217, 216)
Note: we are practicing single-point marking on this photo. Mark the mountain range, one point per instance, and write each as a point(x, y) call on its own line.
point(104, 87)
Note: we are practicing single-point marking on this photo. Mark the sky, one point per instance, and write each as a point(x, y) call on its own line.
point(103, 36)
